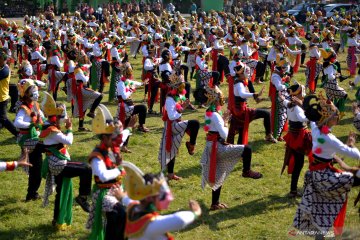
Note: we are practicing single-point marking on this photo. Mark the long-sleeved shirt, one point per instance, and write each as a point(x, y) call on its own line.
point(59, 137)
point(99, 168)
point(276, 80)
point(7, 166)
point(23, 120)
point(150, 63)
point(123, 91)
point(162, 224)
point(330, 72)
point(55, 60)
point(201, 63)
point(170, 106)
point(272, 53)
point(37, 55)
point(233, 64)
point(331, 145)
point(314, 52)
point(241, 91)
point(296, 113)
point(294, 40)
point(217, 125)
point(352, 42)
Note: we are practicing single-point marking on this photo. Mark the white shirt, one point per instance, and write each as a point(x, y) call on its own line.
point(277, 81)
point(149, 64)
point(352, 42)
point(81, 77)
point(55, 60)
point(170, 106)
point(331, 146)
point(97, 51)
point(115, 54)
point(201, 63)
point(99, 168)
point(121, 88)
point(330, 72)
point(59, 137)
point(295, 114)
point(165, 67)
point(241, 91)
point(314, 52)
point(294, 40)
point(217, 125)
point(246, 50)
point(23, 120)
point(37, 55)
point(144, 51)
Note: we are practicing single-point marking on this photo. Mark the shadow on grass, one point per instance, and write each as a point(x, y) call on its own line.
point(8, 141)
point(42, 231)
point(249, 209)
point(190, 171)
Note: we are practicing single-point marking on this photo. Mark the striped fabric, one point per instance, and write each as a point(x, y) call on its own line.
point(178, 131)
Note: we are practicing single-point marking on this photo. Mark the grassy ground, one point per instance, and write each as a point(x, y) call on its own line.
point(259, 209)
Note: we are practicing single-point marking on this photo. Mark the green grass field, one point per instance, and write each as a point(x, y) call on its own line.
point(258, 209)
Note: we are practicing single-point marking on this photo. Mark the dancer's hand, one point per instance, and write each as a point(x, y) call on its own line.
point(344, 166)
point(68, 123)
point(297, 101)
point(351, 139)
point(146, 81)
point(195, 207)
point(118, 192)
point(186, 103)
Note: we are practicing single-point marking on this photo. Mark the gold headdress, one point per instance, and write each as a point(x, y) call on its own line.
point(103, 122)
point(175, 80)
point(327, 53)
point(327, 109)
point(23, 85)
point(281, 61)
point(49, 106)
point(136, 186)
point(213, 94)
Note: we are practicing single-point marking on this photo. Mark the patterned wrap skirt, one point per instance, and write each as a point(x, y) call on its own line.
point(325, 193)
point(178, 132)
point(226, 158)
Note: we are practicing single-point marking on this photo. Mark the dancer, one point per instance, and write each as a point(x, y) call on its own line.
point(147, 194)
point(323, 204)
point(28, 120)
point(243, 115)
point(58, 165)
point(219, 158)
point(174, 127)
point(298, 138)
point(105, 162)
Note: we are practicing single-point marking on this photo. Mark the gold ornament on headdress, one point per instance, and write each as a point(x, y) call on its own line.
point(135, 184)
point(175, 80)
point(326, 53)
point(103, 122)
point(213, 94)
point(23, 85)
point(327, 109)
point(281, 61)
point(49, 106)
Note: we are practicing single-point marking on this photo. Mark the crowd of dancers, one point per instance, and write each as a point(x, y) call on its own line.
point(82, 56)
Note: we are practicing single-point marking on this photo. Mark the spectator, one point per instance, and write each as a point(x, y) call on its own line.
point(4, 92)
point(193, 7)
